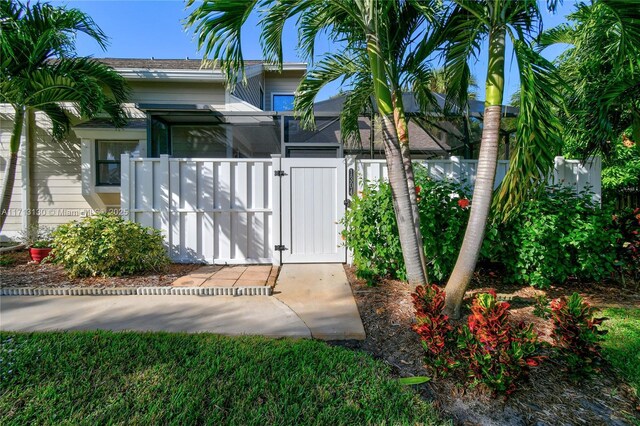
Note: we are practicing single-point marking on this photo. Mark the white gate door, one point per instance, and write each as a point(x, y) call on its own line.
point(312, 197)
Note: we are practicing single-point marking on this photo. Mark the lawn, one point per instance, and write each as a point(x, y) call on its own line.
point(150, 378)
point(622, 345)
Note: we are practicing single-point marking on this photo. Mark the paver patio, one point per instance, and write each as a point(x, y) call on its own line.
point(229, 276)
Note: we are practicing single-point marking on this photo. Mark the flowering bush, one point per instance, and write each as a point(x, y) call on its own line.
point(371, 231)
point(554, 237)
point(575, 333)
point(493, 351)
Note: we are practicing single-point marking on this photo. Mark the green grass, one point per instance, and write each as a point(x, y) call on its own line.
point(622, 344)
point(150, 378)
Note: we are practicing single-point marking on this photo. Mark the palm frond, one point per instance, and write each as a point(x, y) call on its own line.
point(338, 66)
point(218, 28)
point(538, 138)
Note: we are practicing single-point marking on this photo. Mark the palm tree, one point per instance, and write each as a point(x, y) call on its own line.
point(41, 73)
point(602, 71)
point(379, 55)
point(470, 23)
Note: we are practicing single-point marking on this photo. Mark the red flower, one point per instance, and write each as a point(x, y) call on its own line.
point(418, 189)
point(463, 203)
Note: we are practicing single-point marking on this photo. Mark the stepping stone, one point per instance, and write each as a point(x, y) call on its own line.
point(255, 275)
point(214, 282)
point(188, 281)
point(249, 283)
point(206, 271)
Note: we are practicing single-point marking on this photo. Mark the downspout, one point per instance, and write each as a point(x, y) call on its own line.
point(25, 169)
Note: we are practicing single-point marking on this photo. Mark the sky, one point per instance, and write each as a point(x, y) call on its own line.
point(154, 28)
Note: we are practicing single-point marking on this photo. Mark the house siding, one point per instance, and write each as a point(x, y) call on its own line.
point(250, 92)
point(176, 93)
point(13, 223)
point(285, 82)
point(56, 182)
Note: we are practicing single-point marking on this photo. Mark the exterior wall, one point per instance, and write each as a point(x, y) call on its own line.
point(172, 93)
point(251, 91)
point(285, 82)
point(56, 181)
point(13, 225)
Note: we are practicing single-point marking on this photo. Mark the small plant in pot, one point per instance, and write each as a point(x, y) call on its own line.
point(38, 240)
point(39, 250)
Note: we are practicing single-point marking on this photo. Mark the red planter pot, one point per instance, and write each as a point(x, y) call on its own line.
point(38, 254)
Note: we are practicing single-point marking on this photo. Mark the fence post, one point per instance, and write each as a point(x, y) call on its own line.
point(125, 187)
point(276, 209)
point(456, 169)
point(164, 204)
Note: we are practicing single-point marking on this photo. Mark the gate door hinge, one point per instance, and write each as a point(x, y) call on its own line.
point(279, 247)
point(279, 173)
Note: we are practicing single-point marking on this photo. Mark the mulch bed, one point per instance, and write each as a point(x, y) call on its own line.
point(24, 273)
point(548, 397)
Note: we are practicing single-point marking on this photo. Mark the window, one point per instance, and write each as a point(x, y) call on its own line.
point(108, 160)
point(283, 102)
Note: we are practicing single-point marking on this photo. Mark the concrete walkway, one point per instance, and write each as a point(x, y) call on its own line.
point(309, 301)
point(321, 296)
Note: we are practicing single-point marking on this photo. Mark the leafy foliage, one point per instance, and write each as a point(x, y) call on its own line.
point(602, 72)
point(554, 237)
point(434, 328)
point(496, 353)
point(107, 245)
point(491, 350)
point(372, 234)
point(627, 225)
point(621, 168)
point(576, 334)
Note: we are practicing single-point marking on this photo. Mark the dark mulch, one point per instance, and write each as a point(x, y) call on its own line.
point(22, 272)
point(548, 397)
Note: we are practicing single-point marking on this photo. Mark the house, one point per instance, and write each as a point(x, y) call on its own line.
point(177, 108)
point(228, 176)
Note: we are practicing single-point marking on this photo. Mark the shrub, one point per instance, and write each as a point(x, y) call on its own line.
point(107, 245)
point(433, 327)
point(371, 230)
point(554, 237)
point(496, 353)
point(493, 351)
point(627, 225)
point(575, 333)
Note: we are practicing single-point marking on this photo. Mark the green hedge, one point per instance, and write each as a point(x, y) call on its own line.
point(108, 245)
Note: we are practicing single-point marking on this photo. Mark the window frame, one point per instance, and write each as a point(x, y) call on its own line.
point(98, 162)
point(273, 97)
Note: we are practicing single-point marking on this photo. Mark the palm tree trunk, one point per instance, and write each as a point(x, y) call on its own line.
point(9, 178)
point(483, 189)
point(403, 137)
point(411, 249)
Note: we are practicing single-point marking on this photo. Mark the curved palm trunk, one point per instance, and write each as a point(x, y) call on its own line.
point(411, 249)
point(403, 137)
point(483, 189)
point(9, 177)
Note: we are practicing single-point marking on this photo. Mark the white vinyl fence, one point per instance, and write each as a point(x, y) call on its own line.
point(566, 172)
point(223, 211)
point(210, 210)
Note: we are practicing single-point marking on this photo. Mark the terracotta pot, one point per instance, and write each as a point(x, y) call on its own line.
point(38, 254)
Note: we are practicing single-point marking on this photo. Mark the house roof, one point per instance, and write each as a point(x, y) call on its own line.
point(105, 123)
point(476, 107)
point(161, 64)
